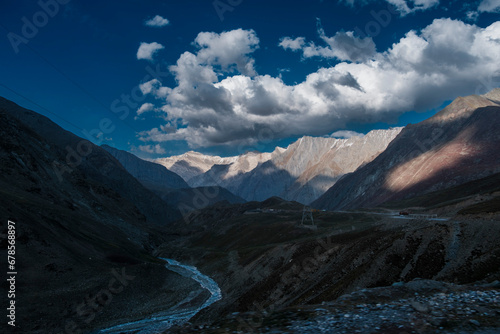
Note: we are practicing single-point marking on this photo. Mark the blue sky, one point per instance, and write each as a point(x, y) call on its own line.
point(158, 78)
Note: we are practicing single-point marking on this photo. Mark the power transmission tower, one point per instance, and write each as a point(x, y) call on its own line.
point(307, 211)
point(307, 215)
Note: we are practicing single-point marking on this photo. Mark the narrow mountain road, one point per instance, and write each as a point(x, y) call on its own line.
point(162, 321)
point(396, 215)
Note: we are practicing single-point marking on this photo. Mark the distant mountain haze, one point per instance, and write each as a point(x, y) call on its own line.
point(151, 175)
point(171, 187)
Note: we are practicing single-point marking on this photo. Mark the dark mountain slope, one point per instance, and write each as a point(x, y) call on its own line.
point(191, 199)
point(75, 231)
point(457, 145)
point(150, 174)
point(453, 199)
point(169, 186)
point(78, 155)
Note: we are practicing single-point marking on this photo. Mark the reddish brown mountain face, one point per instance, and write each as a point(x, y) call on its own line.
point(457, 145)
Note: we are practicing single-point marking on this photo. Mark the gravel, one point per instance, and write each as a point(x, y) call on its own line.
point(436, 313)
point(419, 306)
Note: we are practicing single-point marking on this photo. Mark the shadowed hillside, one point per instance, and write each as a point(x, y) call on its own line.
point(169, 186)
point(77, 230)
point(457, 145)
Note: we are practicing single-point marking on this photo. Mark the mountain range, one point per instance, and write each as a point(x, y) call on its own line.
point(82, 212)
point(456, 145)
point(169, 186)
point(301, 172)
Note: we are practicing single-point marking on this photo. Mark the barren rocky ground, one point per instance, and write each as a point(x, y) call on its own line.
point(277, 276)
point(419, 306)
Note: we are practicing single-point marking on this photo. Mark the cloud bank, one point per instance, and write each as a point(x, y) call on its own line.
point(342, 46)
point(221, 100)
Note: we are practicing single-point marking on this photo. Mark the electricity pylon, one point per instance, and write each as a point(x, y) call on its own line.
point(307, 213)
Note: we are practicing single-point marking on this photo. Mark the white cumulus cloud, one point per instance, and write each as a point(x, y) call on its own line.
point(489, 6)
point(152, 149)
point(146, 107)
point(404, 7)
point(346, 134)
point(293, 44)
point(154, 87)
point(342, 46)
point(219, 102)
point(408, 6)
point(157, 22)
point(229, 50)
point(148, 50)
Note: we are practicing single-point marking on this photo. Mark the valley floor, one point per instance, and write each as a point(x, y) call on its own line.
point(356, 273)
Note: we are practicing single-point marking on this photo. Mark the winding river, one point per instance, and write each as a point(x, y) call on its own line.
point(162, 321)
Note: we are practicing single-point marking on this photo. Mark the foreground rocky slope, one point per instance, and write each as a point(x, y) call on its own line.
point(301, 172)
point(457, 145)
point(419, 306)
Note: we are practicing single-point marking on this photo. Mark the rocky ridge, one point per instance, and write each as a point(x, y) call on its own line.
point(301, 172)
point(169, 186)
point(457, 145)
point(151, 175)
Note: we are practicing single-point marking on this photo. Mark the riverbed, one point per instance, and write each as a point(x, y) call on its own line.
point(162, 321)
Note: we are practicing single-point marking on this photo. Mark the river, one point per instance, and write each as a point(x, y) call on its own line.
point(159, 322)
